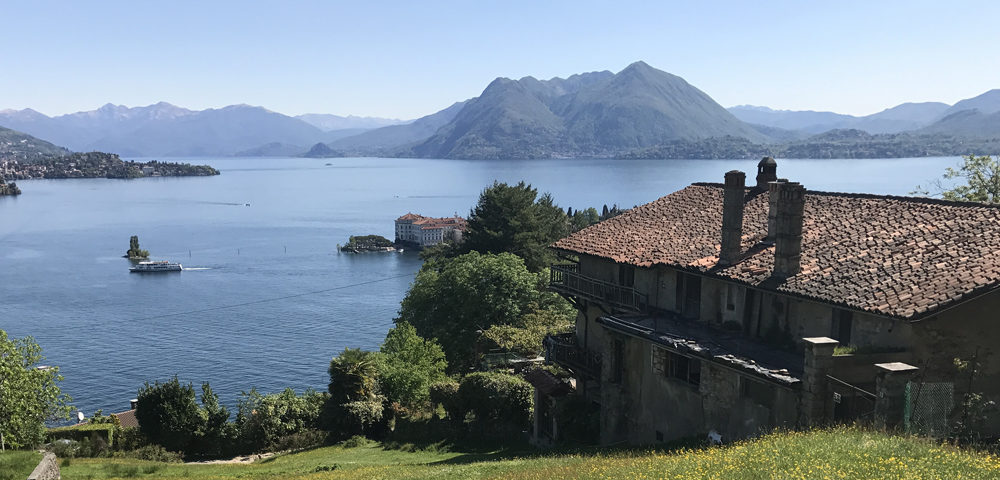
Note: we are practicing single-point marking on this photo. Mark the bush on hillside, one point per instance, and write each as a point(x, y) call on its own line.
point(273, 421)
point(500, 401)
point(445, 393)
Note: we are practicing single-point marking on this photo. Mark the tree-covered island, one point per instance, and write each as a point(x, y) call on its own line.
point(368, 243)
point(8, 188)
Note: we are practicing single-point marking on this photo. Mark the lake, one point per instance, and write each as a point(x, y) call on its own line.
point(266, 300)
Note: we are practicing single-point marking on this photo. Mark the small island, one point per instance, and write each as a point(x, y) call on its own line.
point(134, 252)
point(8, 188)
point(368, 243)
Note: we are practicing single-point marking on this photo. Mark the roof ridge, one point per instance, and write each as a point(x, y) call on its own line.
point(876, 196)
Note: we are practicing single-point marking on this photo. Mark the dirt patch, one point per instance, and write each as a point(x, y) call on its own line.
point(239, 459)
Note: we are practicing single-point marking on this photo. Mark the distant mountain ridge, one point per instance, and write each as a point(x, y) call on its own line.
point(597, 113)
point(907, 116)
point(328, 122)
point(166, 130)
point(635, 112)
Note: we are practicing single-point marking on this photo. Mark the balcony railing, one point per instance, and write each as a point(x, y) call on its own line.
point(567, 279)
point(563, 350)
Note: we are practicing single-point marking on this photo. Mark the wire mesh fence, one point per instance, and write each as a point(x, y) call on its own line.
point(928, 407)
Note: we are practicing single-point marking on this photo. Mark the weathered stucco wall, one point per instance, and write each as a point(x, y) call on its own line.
point(970, 330)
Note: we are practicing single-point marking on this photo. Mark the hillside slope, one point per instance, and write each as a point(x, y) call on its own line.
point(22, 147)
point(838, 453)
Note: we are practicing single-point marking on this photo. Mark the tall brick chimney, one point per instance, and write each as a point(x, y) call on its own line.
point(767, 172)
point(788, 203)
point(732, 217)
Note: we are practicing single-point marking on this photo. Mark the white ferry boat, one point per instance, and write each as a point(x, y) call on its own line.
point(161, 266)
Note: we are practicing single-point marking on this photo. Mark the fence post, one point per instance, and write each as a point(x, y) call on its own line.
point(890, 393)
point(817, 396)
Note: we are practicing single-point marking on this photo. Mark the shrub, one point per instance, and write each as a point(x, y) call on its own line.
point(130, 439)
point(263, 420)
point(355, 442)
point(305, 439)
point(445, 393)
point(153, 453)
point(497, 399)
point(168, 414)
point(362, 416)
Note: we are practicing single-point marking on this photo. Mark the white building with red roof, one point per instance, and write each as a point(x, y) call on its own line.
point(424, 231)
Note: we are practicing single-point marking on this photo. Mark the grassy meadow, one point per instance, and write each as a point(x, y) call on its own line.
point(18, 464)
point(841, 453)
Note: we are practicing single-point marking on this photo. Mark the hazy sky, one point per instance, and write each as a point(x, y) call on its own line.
point(409, 58)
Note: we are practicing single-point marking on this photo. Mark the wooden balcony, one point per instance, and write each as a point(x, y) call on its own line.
point(566, 279)
point(563, 350)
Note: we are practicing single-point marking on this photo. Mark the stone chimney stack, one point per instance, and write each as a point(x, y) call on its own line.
point(772, 208)
point(767, 172)
point(788, 202)
point(732, 217)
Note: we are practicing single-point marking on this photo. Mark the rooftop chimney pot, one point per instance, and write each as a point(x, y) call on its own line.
point(767, 171)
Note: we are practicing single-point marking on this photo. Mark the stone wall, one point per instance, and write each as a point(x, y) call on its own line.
point(47, 469)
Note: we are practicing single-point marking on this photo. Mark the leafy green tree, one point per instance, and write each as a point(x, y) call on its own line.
point(29, 394)
point(355, 405)
point(514, 219)
point(584, 218)
point(409, 365)
point(456, 300)
point(169, 415)
point(216, 435)
point(981, 177)
point(133, 248)
point(526, 334)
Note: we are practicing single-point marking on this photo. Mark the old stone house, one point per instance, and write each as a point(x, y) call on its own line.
point(717, 309)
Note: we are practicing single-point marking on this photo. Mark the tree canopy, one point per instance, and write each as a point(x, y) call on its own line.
point(409, 364)
point(29, 394)
point(981, 177)
point(457, 300)
point(514, 219)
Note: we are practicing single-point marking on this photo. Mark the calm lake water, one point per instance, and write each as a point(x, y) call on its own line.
point(265, 299)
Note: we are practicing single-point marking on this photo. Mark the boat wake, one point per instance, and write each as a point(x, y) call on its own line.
point(196, 268)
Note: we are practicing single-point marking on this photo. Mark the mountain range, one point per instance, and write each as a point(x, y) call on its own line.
point(167, 130)
point(639, 109)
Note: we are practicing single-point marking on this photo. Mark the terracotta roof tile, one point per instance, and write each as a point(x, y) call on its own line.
point(127, 419)
point(896, 256)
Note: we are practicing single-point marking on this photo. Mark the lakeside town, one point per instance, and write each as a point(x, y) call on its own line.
point(97, 165)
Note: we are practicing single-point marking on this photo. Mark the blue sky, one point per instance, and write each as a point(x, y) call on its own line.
point(410, 58)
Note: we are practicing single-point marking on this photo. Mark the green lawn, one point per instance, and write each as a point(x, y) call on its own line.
point(833, 454)
point(18, 464)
